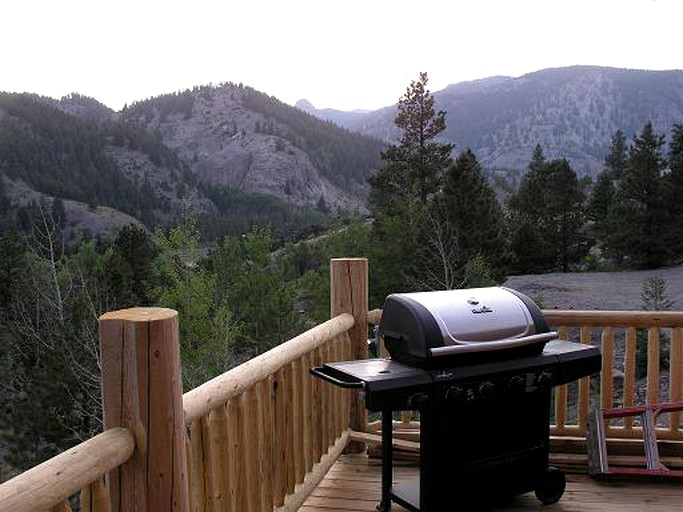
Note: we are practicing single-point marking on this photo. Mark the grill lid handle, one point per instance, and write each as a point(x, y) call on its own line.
point(484, 346)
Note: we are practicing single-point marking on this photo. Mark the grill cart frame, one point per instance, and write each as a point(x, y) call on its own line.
point(484, 415)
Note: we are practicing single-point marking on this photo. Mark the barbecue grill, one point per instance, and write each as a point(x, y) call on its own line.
point(479, 365)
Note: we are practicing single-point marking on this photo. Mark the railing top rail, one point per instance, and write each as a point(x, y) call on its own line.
point(571, 318)
point(219, 390)
point(575, 318)
point(53, 481)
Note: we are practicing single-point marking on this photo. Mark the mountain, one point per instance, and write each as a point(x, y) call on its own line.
point(231, 154)
point(238, 137)
point(572, 112)
point(339, 117)
point(105, 173)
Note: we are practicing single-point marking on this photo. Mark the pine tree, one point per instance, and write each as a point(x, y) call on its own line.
point(600, 201)
point(616, 160)
point(565, 216)
point(129, 267)
point(530, 248)
point(414, 167)
point(402, 191)
point(547, 218)
point(638, 217)
point(472, 210)
point(673, 193)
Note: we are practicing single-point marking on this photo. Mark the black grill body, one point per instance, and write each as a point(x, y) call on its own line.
point(484, 414)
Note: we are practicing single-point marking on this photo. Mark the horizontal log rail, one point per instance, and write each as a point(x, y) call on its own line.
point(259, 437)
point(262, 435)
point(262, 448)
point(202, 399)
point(80, 468)
point(616, 332)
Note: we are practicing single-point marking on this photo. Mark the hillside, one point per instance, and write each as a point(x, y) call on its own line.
point(572, 112)
point(238, 137)
point(104, 172)
point(234, 156)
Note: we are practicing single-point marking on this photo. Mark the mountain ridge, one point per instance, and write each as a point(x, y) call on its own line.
point(208, 148)
point(571, 111)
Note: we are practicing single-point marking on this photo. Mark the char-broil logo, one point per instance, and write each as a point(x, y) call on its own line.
point(476, 308)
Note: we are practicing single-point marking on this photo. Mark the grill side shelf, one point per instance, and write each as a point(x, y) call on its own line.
point(336, 378)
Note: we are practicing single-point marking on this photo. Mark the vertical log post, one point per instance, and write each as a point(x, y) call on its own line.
point(142, 391)
point(349, 294)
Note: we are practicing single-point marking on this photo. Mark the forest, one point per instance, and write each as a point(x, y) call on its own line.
point(435, 222)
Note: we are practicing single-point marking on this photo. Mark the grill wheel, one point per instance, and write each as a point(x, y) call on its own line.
point(551, 487)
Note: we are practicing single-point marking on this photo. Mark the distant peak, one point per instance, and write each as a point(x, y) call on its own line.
point(305, 105)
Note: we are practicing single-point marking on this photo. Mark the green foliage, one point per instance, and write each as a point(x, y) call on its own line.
point(547, 218)
point(207, 330)
point(238, 212)
point(130, 267)
point(638, 217)
point(599, 204)
point(673, 192)
point(617, 159)
point(311, 259)
point(654, 297)
point(50, 378)
point(414, 167)
point(475, 215)
point(253, 285)
point(408, 226)
point(477, 273)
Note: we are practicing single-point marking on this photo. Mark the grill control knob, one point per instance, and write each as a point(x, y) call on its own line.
point(455, 393)
point(517, 384)
point(486, 389)
point(545, 378)
point(417, 400)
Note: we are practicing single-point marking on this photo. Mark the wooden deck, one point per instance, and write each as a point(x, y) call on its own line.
point(353, 484)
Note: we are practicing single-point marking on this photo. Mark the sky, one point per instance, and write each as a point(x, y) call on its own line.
point(344, 54)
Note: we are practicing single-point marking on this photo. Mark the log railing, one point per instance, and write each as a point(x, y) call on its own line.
point(261, 436)
point(257, 438)
point(258, 431)
point(616, 332)
point(49, 485)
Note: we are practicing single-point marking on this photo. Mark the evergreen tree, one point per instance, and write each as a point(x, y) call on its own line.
point(547, 218)
point(129, 267)
point(403, 190)
point(414, 167)
point(565, 215)
point(244, 269)
point(537, 162)
point(638, 218)
point(616, 160)
point(530, 248)
point(472, 210)
point(599, 204)
point(207, 328)
point(673, 194)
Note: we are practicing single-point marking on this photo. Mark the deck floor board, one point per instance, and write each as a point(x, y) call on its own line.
point(353, 485)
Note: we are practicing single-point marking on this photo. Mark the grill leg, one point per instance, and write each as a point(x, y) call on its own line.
point(387, 461)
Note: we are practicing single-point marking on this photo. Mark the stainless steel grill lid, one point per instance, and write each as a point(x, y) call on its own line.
point(434, 326)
